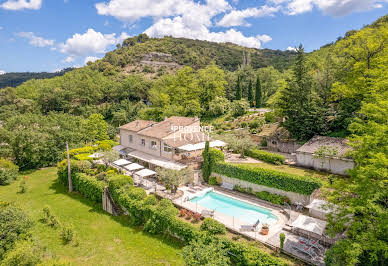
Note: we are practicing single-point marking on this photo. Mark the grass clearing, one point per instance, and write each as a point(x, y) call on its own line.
point(103, 239)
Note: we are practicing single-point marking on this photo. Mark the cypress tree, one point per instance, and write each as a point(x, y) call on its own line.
point(238, 89)
point(258, 92)
point(206, 165)
point(250, 94)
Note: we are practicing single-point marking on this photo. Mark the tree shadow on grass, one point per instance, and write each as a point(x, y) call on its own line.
point(122, 219)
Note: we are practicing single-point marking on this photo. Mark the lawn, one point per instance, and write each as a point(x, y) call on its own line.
point(103, 239)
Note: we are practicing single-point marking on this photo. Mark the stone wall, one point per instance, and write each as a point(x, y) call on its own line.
point(332, 165)
point(294, 197)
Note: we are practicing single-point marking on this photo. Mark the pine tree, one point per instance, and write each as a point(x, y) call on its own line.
point(250, 94)
point(258, 92)
point(206, 164)
point(238, 89)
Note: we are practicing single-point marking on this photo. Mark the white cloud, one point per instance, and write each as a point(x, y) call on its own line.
point(264, 38)
point(88, 43)
point(237, 17)
point(2, 72)
point(90, 59)
point(191, 11)
point(176, 27)
point(290, 48)
point(21, 4)
point(331, 7)
point(35, 40)
point(122, 37)
point(69, 59)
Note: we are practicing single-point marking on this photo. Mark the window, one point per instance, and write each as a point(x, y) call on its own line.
point(153, 145)
point(142, 142)
point(166, 148)
point(130, 138)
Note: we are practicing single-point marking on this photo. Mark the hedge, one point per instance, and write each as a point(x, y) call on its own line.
point(86, 149)
point(213, 227)
point(269, 178)
point(88, 186)
point(8, 172)
point(264, 195)
point(266, 156)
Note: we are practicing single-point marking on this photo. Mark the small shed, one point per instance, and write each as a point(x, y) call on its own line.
point(325, 153)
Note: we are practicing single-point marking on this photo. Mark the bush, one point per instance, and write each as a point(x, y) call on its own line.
point(212, 226)
point(200, 253)
point(46, 214)
point(88, 186)
point(264, 142)
point(8, 172)
point(83, 157)
point(270, 178)
point(269, 117)
point(282, 237)
point(24, 253)
point(22, 186)
point(256, 123)
point(67, 234)
point(274, 198)
point(243, 124)
point(86, 149)
point(212, 181)
point(15, 225)
point(239, 107)
point(216, 155)
point(266, 156)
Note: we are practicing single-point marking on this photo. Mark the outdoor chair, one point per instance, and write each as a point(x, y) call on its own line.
point(311, 243)
point(305, 249)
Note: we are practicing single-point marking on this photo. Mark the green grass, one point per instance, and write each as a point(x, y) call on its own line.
point(103, 239)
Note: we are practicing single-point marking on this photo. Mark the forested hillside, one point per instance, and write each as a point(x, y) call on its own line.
point(14, 79)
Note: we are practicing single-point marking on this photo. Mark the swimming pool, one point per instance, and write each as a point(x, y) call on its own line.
point(240, 210)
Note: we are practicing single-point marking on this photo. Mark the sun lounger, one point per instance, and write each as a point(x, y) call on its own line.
point(314, 243)
point(304, 249)
point(249, 228)
point(206, 213)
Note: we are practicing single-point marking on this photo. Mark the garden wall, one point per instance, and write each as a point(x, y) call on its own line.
point(332, 165)
point(294, 197)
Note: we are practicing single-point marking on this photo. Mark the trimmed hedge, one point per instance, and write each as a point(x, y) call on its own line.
point(213, 227)
point(88, 186)
point(266, 156)
point(269, 178)
point(264, 195)
point(86, 149)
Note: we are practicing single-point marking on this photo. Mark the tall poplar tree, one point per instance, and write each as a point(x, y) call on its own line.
point(250, 93)
point(206, 164)
point(258, 92)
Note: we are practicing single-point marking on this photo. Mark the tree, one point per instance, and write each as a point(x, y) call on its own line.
point(8, 172)
point(238, 89)
point(250, 94)
point(239, 107)
point(174, 178)
point(110, 156)
point(258, 92)
point(206, 164)
point(238, 143)
point(219, 106)
point(95, 128)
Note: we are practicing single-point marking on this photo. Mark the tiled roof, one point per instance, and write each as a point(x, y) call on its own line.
point(137, 125)
point(318, 141)
point(163, 129)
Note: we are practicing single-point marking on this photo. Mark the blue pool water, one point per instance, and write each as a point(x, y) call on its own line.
point(240, 210)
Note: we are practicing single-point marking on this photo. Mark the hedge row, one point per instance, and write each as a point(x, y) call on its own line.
point(266, 156)
point(269, 178)
point(264, 195)
point(160, 217)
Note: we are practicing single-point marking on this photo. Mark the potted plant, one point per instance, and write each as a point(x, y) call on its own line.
point(265, 229)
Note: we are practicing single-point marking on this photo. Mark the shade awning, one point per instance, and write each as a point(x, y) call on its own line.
point(157, 161)
point(121, 162)
point(310, 224)
point(118, 148)
point(145, 173)
point(133, 167)
point(201, 145)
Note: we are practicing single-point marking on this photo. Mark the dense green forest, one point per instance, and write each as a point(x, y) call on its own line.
point(338, 90)
point(14, 79)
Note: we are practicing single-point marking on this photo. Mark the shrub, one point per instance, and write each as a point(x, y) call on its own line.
point(266, 156)
point(274, 198)
point(53, 221)
point(189, 214)
point(86, 149)
point(106, 142)
point(216, 155)
point(212, 226)
point(269, 117)
point(219, 180)
point(270, 178)
point(264, 142)
point(212, 181)
point(88, 186)
point(196, 217)
point(182, 212)
point(282, 237)
point(22, 186)
point(46, 214)
point(243, 124)
point(200, 252)
point(83, 157)
point(25, 252)
point(256, 123)
point(8, 172)
point(117, 181)
point(239, 107)
point(67, 233)
point(15, 225)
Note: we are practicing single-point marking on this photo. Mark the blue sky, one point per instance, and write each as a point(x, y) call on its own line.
point(43, 35)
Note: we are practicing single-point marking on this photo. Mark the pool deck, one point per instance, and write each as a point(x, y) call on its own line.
point(234, 224)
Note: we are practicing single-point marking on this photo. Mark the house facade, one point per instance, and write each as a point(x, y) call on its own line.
point(175, 143)
point(326, 154)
